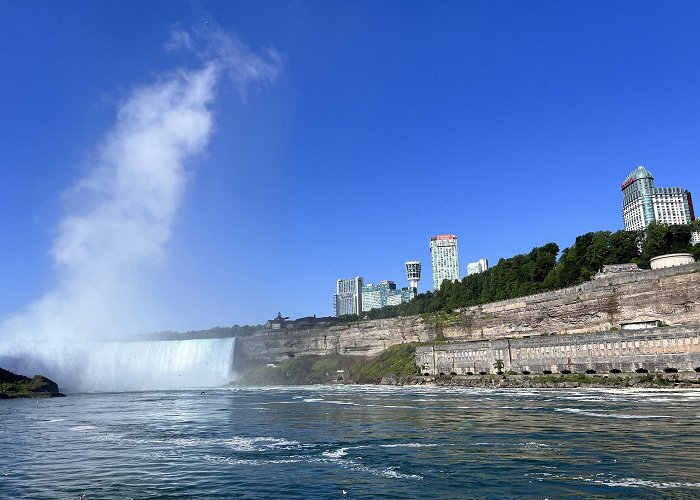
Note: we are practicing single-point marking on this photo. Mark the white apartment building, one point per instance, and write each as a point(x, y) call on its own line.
point(477, 267)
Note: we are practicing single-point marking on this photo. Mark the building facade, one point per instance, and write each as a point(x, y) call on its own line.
point(477, 267)
point(348, 296)
point(444, 258)
point(397, 297)
point(383, 294)
point(629, 351)
point(642, 203)
point(374, 296)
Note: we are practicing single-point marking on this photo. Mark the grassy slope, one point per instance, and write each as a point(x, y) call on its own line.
point(399, 360)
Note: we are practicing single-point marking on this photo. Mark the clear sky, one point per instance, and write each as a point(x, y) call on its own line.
point(344, 135)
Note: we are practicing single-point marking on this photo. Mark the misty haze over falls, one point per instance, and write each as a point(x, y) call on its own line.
point(124, 366)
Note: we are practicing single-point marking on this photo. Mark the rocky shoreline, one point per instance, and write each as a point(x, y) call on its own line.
point(554, 381)
point(19, 386)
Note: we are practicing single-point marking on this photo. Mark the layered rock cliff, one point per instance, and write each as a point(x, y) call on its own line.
point(671, 296)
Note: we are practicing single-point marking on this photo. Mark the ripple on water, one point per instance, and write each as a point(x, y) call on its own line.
point(588, 413)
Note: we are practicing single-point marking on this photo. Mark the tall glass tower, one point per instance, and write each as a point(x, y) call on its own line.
point(444, 257)
point(642, 203)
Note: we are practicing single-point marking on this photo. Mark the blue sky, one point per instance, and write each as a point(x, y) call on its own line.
point(508, 123)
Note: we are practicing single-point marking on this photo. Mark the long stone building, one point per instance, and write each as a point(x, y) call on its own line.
point(640, 351)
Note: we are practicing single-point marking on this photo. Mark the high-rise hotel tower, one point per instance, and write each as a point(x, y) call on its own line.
point(642, 203)
point(444, 257)
point(348, 296)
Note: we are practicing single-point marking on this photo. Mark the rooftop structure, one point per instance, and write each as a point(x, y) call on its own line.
point(413, 274)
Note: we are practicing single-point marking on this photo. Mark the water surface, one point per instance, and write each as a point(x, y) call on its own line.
point(366, 441)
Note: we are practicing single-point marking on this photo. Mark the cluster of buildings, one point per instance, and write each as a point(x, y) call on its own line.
point(642, 204)
point(352, 296)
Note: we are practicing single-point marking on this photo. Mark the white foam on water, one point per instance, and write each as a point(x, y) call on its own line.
point(235, 443)
point(336, 454)
point(637, 483)
point(514, 445)
point(410, 445)
point(389, 472)
point(579, 411)
point(245, 461)
point(632, 482)
point(81, 428)
point(393, 406)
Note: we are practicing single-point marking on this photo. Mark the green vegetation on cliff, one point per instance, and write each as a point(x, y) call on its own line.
point(398, 360)
point(541, 271)
point(18, 386)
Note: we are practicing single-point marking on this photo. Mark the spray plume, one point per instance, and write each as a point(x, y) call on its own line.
point(124, 206)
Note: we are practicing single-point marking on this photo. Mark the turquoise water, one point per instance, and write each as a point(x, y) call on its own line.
point(353, 442)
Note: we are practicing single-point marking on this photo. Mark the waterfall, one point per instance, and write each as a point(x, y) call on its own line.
point(124, 366)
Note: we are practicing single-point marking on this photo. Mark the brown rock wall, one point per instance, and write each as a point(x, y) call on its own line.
point(669, 295)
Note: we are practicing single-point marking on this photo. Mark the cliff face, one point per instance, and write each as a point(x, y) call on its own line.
point(669, 295)
point(367, 338)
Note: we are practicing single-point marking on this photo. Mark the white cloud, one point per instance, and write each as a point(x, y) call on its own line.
point(125, 205)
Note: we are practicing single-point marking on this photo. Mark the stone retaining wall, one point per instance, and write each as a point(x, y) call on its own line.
point(654, 350)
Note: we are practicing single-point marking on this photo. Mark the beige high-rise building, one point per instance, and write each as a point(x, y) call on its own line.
point(445, 259)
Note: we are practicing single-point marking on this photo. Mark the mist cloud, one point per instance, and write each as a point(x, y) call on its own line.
point(123, 209)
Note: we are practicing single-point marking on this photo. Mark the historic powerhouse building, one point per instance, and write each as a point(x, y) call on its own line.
point(642, 203)
point(348, 296)
point(444, 257)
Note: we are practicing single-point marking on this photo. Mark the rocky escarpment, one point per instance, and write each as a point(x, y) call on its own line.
point(670, 296)
point(19, 386)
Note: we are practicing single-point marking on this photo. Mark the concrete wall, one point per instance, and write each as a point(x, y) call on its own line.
point(654, 350)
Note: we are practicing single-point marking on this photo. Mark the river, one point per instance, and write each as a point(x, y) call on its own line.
point(352, 442)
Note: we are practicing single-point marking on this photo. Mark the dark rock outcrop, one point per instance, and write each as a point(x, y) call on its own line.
point(19, 386)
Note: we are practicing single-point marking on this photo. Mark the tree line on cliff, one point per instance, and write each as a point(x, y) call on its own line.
point(540, 270)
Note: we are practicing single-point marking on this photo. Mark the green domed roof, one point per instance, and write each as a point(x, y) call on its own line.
point(639, 173)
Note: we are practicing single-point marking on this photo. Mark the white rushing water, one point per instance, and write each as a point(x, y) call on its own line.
point(124, 366)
